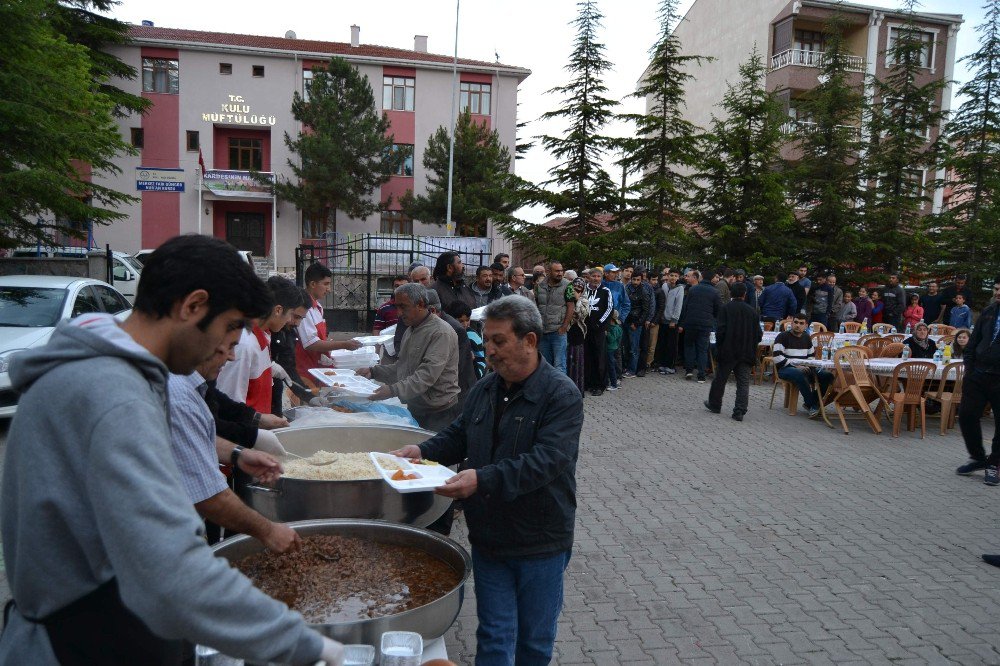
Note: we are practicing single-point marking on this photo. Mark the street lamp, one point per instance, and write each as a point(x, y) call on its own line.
point(450, 227)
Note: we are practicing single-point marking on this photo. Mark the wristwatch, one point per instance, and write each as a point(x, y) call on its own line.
point(234, 457)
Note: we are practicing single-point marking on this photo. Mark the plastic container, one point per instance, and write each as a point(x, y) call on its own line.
point(401, 648)
point(359, 655)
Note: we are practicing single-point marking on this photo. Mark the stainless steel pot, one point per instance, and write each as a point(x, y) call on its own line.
point(430, 620)
point(299, 499)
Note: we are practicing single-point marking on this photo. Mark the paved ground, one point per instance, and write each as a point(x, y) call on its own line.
point(776, 540)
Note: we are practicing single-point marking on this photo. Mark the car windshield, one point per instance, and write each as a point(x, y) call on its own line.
point(31, 306)
point(132, 263)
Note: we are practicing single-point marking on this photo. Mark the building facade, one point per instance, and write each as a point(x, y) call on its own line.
point(221, 106)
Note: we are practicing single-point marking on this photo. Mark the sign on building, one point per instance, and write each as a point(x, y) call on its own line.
point(149, 179)
point(238, 184)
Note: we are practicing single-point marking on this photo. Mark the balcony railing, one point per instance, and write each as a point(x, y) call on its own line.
point(805, 126)
point(803, 58)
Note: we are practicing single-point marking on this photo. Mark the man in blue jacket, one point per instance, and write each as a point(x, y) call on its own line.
point(520, 431)
point(701, 308)
point(777, 301)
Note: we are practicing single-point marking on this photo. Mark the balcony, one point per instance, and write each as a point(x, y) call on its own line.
point(806, 127)
point(803, 58)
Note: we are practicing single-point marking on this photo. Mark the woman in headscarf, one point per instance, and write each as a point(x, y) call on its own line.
point(920, 344)
point(577, 332)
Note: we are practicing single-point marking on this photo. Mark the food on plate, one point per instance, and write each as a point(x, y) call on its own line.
point(342, 467)
point(400, 475)
point(388, 462)
point(423, 461)
point(343, 579)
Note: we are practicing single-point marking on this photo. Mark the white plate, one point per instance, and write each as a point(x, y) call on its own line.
point(431, 476)
point(351, 383)
point(368, 340)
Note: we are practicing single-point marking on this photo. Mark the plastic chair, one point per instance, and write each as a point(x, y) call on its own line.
point(817, 327)
point(857, 389)
point(892, 350)
point(882, 328)
point(820, 340)
point(791, 389)
point(895, 337)
point(852, 327)
point(945, 340)
point(942, 329)
point(865, 338)
point(768, 325)
point(949, 399)
point(876, 344)
point(912, 375)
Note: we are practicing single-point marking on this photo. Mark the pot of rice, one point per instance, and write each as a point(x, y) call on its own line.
point(348, 487)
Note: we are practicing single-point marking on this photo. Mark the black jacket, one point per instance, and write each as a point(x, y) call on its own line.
point(452, 292)
point(701, 307)
point(466, 362)
point(895, 302)
point(737, 333)
point(982, 353)
point(233, 420)
point(660, 299)
point(525, 504)
point(642, 304)
point(283, 353)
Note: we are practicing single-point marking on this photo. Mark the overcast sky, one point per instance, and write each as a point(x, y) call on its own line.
point(528, 33)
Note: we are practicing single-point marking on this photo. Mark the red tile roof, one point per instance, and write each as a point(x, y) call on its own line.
point(139, 32)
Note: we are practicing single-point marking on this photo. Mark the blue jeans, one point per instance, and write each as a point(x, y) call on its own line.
point(634, 338)
point(804, 382)
point(696, 350)
point(553, 349)
point(518, 602)
point(612, 369)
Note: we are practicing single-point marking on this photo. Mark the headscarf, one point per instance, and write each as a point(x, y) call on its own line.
point(579, 282)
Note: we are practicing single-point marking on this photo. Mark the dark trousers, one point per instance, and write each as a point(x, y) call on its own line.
point(803, 378)
point(978, 390)
point(595, 358)
point(666, 346)
point(696, 350)
point(742, 371)
point(820, 318)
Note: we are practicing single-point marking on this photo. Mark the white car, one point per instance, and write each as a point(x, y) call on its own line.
point(30, 308)
point(141, 256)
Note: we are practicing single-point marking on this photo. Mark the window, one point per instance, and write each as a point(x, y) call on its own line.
point(258, 71)
point(914, 185)
point(316, 228)
point(138, 137)
point(405, 167)
point(307, 79)
point(112, 301)
point(474, 97)
point(193, 140)
point(809, 40)
point(246, 154)
point(159, 75)
point(922, 42)
point(894, 108)
point(225, 68)
point(397, 93)
point(394, 222)
point(85, 302)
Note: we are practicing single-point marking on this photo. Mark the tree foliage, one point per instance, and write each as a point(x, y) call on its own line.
point(58, 128)
point(742, 206)
point(344, 151)
point(971, 228)
point(482, 187)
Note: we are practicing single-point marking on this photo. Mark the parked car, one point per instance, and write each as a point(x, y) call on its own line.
point(32, 305)
point(140, 256)
point(126, 269)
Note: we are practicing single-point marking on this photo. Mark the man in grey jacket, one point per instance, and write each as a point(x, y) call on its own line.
point(105, 555)
point(671, 318)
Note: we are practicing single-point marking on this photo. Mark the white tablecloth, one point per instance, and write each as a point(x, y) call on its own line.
point(877, 366)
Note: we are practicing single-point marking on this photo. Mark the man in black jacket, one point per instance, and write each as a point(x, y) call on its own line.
point(736, 337)
point(595, 351)
point(981, 387)
point(895, 302)
point(520, 431)
point(701, 307)
point(283, 352)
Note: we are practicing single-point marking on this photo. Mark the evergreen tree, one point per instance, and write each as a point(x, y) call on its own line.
point(664, 151)
point(344, 150)
point(899, 155)
point(481, 187)
point(972, 226)
point(58, 131)
point(742, 203)
point(583, 189)
point(824, 181)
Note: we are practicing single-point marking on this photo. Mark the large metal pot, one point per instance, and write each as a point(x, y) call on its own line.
point(430, 620)
point(299, 499)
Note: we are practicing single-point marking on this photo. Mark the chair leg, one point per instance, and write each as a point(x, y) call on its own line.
point(923, 418)
point(773, 391)
point(840, 414)
point(897, 418)
point(793, 398)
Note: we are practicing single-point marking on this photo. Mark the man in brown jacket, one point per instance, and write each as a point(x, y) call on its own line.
point(425, 376)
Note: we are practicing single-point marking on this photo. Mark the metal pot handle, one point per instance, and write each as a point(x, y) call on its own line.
point(263, 489)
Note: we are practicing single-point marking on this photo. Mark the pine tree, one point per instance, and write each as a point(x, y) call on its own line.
point(481, 188)
point(58, 130)
point(344, 150)
point(824, 180)
point(664, 151)
point(583, 189)
point(972, 225)
point(898, 155)
point(742, 202)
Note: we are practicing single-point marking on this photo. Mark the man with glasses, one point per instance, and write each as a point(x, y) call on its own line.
point(515, 283)
point(981, 387)
point(792, 347)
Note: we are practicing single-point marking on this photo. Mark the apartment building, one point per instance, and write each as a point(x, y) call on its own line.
point(789, 36)
point(221, 106)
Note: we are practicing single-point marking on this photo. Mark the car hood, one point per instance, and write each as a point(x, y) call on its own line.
point(16, 337)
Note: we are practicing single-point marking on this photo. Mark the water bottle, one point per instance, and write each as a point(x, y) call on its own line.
point(843, 329)
point(864, 326)
point(938, 356)
point(906, 352)
point(761, 327)
point(909, 329)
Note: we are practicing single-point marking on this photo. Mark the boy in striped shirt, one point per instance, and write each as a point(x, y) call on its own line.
point(791, 347)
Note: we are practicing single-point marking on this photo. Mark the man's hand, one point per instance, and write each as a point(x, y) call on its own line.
point(278, 372)
point(673, 325)
point(460, 486)
point(350, 345)
point(382, 393)
point(680, 329)
point(332, 653)
point(410, 451)
point(260, 465)
point(268, 442)
point(648, 324)
point(632, 326)
point(270, 421)
point(364, 372)
point(282, 539)
point(562, 330)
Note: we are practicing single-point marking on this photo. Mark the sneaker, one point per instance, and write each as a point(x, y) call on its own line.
point(708, 406)
point(612, 388)
point(670, 371)
point(662, 371)
point(689, 375)
point(813, 412)
point(992, 559)
point(992, 475)
point(701, 380)
point(641, 373)
point(627, 374)
point(970, 467)
point(597, 392)
point(737, 416)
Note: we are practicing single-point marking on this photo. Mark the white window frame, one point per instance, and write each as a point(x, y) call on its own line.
point(307, 77)
point(393, 82)
point(934, 43)
point(468, 89)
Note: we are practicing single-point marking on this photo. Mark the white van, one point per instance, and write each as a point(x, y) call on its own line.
point(126, 269)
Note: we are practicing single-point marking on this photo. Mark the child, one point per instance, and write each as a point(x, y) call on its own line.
point(463, 315)
point(614, 340)
point(914, 313)
point(961, 314)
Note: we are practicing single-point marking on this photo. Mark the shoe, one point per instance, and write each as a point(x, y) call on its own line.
point(992, 477)
point(970, 467)
point(737, 416)
point(627, 374)
point(708, 406)
point(701, 380)
point(813, 412)
point(670, 371)
point(992, 559)
point(689, 375)
point(641, 373)
point(613, 388)
point(662, 371)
